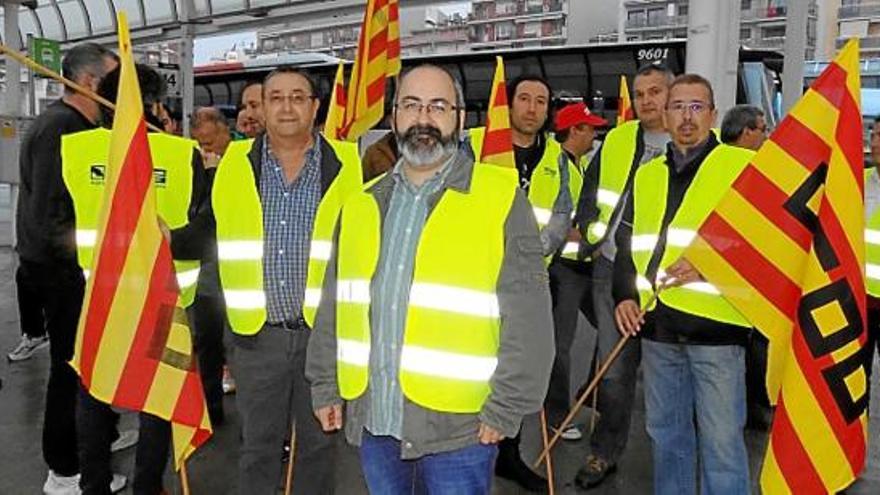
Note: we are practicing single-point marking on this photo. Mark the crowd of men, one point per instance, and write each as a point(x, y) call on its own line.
point(421, 301)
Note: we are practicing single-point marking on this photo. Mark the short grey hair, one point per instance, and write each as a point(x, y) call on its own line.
point(459, 93)
point(203, 115)
point(737, 120)
point(86, 58)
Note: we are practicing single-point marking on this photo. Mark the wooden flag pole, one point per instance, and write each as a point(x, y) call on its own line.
point(288, 484)
point(184, 479)
point(24, 60)
point(606, 365)
point(549, 463)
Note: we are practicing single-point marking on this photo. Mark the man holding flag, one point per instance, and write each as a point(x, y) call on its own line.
point(692, 339)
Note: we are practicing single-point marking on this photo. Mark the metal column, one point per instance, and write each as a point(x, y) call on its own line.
point(186, 62)
point(795, 51)
point(713, 47)
point(12, 100)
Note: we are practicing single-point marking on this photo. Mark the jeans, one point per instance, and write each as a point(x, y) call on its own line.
point(269, 370)
point(570, 289)
point(466, 471)
point(695, 396)
point(617, 390)
point(61, 287)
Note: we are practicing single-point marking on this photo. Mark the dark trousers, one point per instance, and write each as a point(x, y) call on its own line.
point(873, 342)
point(207, 316)
point(97, 424)
point(61, 289)
point(617, 390)
point(271, 392)
point(31, 305)
point(570, 290)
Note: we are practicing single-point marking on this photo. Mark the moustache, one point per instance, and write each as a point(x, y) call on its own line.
point(413, 133)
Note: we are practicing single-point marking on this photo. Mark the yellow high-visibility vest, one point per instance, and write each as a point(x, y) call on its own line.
point(617, 156)
point(239, 215)
point(650, 189)
point(84, 157)
point(544, 184)
point(453, 322)
point(872, 248)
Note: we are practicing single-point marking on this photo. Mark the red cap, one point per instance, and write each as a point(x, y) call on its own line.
point(577, 114)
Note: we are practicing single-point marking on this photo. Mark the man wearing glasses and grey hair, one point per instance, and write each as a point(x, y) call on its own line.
point(431, 328)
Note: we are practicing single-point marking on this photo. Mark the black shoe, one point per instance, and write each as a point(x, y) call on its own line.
point(511, 466)
point(594, 473)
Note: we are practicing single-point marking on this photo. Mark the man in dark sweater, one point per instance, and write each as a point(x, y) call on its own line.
point(47, 251)
point(692, 339)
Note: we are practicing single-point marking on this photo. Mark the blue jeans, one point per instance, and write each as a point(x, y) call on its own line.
point(466, 471)
point(696, 395)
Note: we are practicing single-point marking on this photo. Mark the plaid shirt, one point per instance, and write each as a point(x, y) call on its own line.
point(288, 216)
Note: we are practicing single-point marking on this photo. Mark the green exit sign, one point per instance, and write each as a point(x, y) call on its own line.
point(47, 53)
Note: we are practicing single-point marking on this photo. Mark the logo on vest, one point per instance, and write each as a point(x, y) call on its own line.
point(96, 174)
point(160, 177)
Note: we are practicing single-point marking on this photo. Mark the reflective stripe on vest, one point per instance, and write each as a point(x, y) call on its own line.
point(715, 175)
point(616, 160)
point(872, 248)
point(239, 215)
point(544, 183)
point(453, 321)
point(84, 158)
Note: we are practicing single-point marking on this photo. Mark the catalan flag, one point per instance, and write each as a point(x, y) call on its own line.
point(498, 142)
point(378, 58)
point(133, 346)
point(624, 103)
point(786, 247)
point(333, 125)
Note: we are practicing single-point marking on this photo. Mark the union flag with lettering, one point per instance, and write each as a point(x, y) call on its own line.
point(786, 247)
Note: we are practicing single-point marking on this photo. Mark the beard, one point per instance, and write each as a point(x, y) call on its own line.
point(423, 145)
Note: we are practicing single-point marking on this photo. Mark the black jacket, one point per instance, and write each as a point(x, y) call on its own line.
point(665, 324)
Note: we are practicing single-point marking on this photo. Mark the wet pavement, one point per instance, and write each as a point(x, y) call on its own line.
point(212, 469)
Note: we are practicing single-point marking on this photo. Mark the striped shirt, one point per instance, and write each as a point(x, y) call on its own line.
point(401, 231)
point(288, 216)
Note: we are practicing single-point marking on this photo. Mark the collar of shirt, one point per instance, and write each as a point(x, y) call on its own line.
point(311, 159)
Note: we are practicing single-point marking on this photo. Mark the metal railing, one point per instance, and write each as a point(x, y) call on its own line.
point(861, 10)
point(661, 22)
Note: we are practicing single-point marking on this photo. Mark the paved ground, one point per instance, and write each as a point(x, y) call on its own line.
point(212, 469)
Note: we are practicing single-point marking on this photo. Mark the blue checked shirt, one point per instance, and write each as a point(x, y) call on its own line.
point(288, 216)
point(401, 231)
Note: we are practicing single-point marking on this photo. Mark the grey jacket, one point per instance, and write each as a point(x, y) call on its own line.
point(525, 354)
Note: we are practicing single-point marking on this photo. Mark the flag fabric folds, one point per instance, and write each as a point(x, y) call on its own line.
point(498, 142)
point(786, 247)
point(624, 104)
point(133, 346)
point(378, 58)
point(333, 125)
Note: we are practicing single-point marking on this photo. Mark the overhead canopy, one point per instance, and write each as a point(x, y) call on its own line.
point(71, 21)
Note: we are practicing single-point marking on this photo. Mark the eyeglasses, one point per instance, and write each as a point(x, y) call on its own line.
point(694, 107)
point(435, 108)
point(296, 99)
point(762, 129)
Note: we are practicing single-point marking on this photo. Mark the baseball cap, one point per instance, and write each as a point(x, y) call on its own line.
point(577, 114)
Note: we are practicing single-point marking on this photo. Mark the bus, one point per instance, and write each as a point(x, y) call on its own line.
point(575, 72)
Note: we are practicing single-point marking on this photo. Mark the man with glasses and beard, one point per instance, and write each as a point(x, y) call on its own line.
point(275, 200)
point(432, 317)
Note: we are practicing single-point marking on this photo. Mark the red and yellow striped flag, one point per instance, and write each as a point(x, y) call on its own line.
point(336, 111)
point(498, 141)
point(624, 103)
point(378, 58)
point(786, 247)
point(133, 346)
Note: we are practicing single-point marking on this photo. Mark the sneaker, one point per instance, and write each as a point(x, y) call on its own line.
point(27, 347)
point(118, 483)
point(61, 485)
point(572, 433)
point(228, 381)
point(594, 473)
point(127, 439)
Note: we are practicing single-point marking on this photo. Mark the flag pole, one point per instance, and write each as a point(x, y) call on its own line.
point(549, 464)
point(184, 479)
point(36, 67)
point(288, 483)
point(606, 365)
